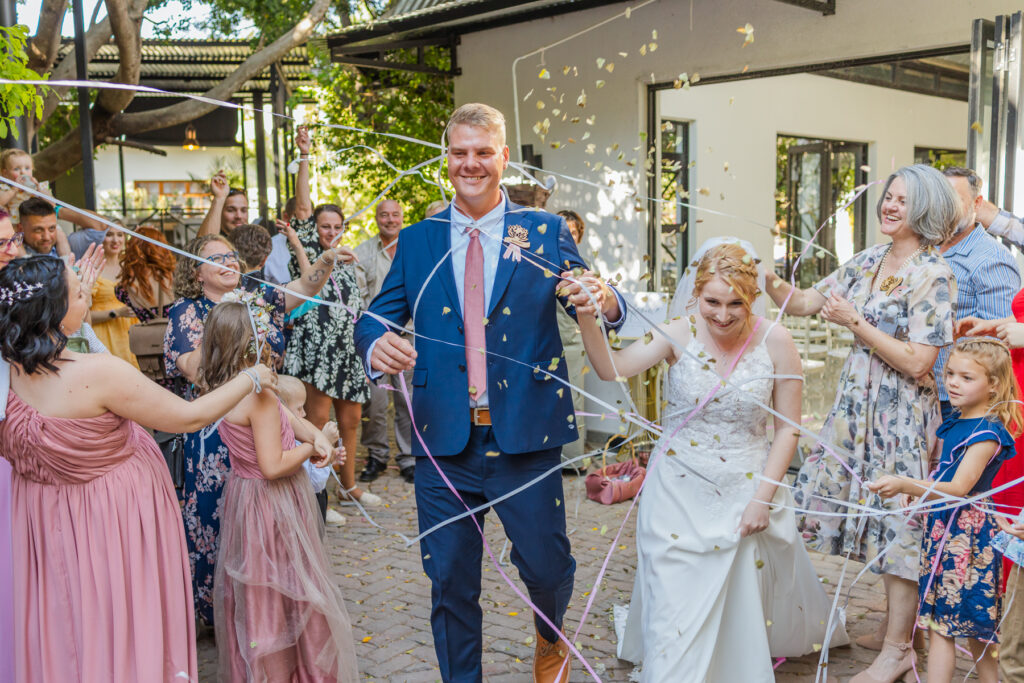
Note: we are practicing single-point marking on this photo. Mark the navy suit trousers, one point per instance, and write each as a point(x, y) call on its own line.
point(534, 521)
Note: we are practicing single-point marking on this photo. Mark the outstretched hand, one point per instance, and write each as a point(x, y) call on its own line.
point(887, 486)
point(973, 326)
point(392, 354)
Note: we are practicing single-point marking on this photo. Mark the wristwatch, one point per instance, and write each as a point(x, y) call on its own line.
point(112, 314)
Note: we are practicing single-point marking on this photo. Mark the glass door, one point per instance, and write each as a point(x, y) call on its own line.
point(819, 182)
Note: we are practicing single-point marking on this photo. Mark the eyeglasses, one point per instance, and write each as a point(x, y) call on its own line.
point(223, 258)
point(16, 241)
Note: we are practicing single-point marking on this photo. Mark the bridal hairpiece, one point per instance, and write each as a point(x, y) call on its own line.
point(18, 292)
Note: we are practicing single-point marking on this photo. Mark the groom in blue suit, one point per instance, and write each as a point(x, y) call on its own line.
point(484, 400)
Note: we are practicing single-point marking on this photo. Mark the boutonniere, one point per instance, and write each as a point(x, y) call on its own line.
point(517, 239)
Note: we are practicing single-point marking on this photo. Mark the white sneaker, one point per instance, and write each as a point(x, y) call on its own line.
point(334, 517)
point(370, 500)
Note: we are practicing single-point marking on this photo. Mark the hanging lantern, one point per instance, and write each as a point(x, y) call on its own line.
point(191, 141)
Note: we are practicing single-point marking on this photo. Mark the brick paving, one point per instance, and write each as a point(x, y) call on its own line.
point(388, 597)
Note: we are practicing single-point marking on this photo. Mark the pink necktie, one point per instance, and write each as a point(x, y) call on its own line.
point(473, 315)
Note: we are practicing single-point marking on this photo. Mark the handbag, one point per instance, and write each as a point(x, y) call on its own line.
point(146, 342)
point(172, 446)
point(617, 482)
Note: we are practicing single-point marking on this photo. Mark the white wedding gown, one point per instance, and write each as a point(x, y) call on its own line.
point(708, 605)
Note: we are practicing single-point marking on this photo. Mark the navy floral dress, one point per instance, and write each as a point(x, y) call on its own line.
point(961, 598)
point(206, 457)
point(322, 350)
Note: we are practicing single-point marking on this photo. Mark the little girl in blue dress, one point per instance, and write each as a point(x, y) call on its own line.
point(959, 583)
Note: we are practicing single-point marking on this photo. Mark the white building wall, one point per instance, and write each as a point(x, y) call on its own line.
point(692, 37)
point(737, 124)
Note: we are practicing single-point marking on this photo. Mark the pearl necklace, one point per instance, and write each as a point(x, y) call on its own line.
point(892, 282)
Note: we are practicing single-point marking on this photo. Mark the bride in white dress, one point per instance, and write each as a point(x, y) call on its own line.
point(723, 582)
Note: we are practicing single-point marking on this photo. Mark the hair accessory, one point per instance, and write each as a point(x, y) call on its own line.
point(19, 292)
point(260, 315)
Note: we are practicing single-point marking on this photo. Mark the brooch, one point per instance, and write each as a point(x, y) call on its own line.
point(518, 236)
point(890, 283)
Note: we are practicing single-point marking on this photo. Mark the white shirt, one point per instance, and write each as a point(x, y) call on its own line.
point(276, 267)
point(492, 230)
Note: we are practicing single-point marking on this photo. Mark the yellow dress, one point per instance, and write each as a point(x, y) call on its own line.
point(113, 334)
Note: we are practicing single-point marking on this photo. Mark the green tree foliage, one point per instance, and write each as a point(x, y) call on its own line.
point(415, 105)
point(16, 100)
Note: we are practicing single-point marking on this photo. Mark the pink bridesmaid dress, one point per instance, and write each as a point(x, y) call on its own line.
point(101, 579)
point(278, 612)
point(6, 578)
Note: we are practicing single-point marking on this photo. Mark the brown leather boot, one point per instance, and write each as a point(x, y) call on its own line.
point(549, 659)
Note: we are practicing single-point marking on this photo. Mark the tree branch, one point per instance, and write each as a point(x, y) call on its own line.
point(95, 38)
point(189, 110)
point(42, 49)
point(129, 49)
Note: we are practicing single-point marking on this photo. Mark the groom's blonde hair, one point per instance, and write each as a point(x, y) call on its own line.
point(480, 116)
point(732, 263)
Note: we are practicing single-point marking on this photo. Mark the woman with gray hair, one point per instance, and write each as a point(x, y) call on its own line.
point(897, 300)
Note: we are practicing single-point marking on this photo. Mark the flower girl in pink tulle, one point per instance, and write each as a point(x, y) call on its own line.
point(278, 612)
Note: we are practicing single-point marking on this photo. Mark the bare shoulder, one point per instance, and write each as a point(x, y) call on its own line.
point(678, 332)
point(781, 347)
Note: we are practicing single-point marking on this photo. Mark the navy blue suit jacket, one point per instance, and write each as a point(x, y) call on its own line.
point(530, 411)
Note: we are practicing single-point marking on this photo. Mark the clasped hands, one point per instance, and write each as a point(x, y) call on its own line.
point(589, 294)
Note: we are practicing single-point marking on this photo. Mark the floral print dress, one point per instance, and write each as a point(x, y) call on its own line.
point(882, 421)
point(322, 350)
point(959, 584)
point(206, 456)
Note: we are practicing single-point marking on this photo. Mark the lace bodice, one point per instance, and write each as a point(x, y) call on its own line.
point(727, 438)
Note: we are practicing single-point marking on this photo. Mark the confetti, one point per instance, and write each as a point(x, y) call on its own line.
point(581, 101)
point(748, 31)
point(492, 454)
point(976, 126)
point(599, 84)
point(609, 67)
point(445, 310)
point(545, 74)
point(540, 104)
point(507, 310)
point(604, 529)
point(527, 96)
point(600, 62)
point(367, 639)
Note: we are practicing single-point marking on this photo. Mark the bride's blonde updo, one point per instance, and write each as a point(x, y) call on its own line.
point(733, 264)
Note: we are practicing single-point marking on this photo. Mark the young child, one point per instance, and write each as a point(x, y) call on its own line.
point(959, 584)
point(293, 395)
point(16, 165)
point(278, 613)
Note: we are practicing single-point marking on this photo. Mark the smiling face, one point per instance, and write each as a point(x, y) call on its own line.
point(234, 213)
point(330, 226)
point(722, 308)
point(967, 382)
point(476, 159)
point(894, 210)
point(40, 232)
point(389, 219)
point(113, 242)
point(78, 304)
point(218, 281)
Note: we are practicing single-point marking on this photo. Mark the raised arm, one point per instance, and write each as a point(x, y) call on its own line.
point(802, 301)
point(303, 201)
point(312, 280)
point(219, 189)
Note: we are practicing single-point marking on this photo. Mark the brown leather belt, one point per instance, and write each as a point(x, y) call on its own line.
point(480, 416)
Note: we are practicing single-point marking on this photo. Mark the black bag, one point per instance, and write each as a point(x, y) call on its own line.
point(173, 448)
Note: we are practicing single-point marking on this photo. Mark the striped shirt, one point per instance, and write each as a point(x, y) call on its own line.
point(986, 279)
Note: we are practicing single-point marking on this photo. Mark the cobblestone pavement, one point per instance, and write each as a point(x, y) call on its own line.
point(388, 597)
